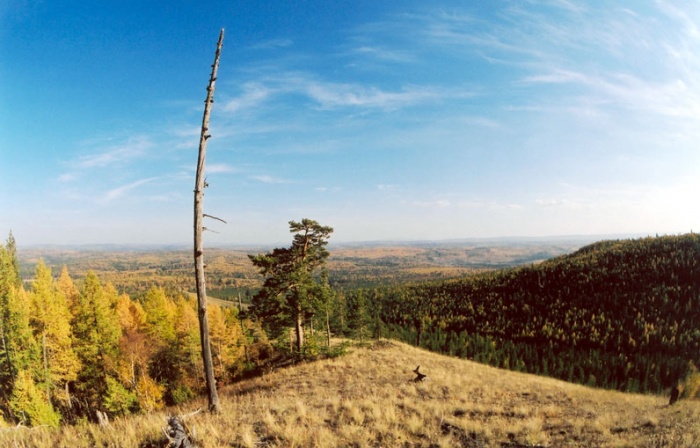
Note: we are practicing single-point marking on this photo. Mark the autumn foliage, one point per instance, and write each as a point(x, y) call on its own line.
point(67, 350)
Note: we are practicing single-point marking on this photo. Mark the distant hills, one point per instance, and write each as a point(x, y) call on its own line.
point(335, 244)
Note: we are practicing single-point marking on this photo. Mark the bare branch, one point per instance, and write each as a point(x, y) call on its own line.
point(191, 413)
point(214, 217)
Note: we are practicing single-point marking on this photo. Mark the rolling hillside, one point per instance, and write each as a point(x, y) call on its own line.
point(369, 399)
point(615, 314)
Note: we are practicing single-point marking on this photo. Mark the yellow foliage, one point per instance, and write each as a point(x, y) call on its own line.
point(149, 394)
point(130, 314)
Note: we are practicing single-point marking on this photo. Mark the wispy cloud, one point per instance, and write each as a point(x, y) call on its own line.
point(133, 148)
point(254, 93)
point(270, 179)
point(568, 5)
point(672, 97)
point(334, 95)
point(220, 168)
point(67, 177)
point(271, 44)
point(384, 54)
point(119, 192)
point(617, 58)
point(440, 203)
point(480, 122)
point(488, 205)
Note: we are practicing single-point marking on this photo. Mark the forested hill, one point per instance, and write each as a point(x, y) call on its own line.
point(616, 314)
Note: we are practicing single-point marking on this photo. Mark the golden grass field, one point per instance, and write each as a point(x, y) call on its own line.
point(367, 398)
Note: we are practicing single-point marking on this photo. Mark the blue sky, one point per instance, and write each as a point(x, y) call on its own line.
point(397, 120)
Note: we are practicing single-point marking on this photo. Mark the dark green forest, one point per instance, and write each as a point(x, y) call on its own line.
point(615, 314)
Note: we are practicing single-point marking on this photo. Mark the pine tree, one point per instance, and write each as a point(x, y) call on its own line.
point(358, 314)
point(287, 296)
point(326, 303)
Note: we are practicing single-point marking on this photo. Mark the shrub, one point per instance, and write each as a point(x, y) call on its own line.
point(180, 394)
point(119, 400)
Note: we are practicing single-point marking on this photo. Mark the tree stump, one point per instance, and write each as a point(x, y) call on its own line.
point(675, 393)
point(178, 434)
point(419, 376)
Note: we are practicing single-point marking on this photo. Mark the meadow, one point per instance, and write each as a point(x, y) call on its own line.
point(368, 398)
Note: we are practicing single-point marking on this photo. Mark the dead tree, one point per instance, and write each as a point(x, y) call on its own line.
point(200, 184)
point(178, 432)
point(102, 418)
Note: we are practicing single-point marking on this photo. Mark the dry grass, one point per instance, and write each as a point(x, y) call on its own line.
point(368, 399)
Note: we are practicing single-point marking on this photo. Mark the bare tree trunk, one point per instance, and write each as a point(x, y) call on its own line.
point(300, 330)
point(198, 228)
point(46, 368)
point(328, 327)
point(7, 352)
point(68, 397)
point(243, 329)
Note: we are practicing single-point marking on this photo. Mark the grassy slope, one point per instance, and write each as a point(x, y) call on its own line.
point(367, 398)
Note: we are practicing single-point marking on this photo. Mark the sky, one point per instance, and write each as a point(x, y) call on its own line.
point(386, 120)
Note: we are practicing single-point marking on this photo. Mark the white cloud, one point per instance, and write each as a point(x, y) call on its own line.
point(134, 147)
point(440, 203)
point(254, 93)
point(269, 179)
point(384, 54)
point(334, 95)
point(272, 44)
point(67, 177)
point(671, 97)
point(480, 122)
point(489, 205)
point(118, 192)
point(220, 168)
